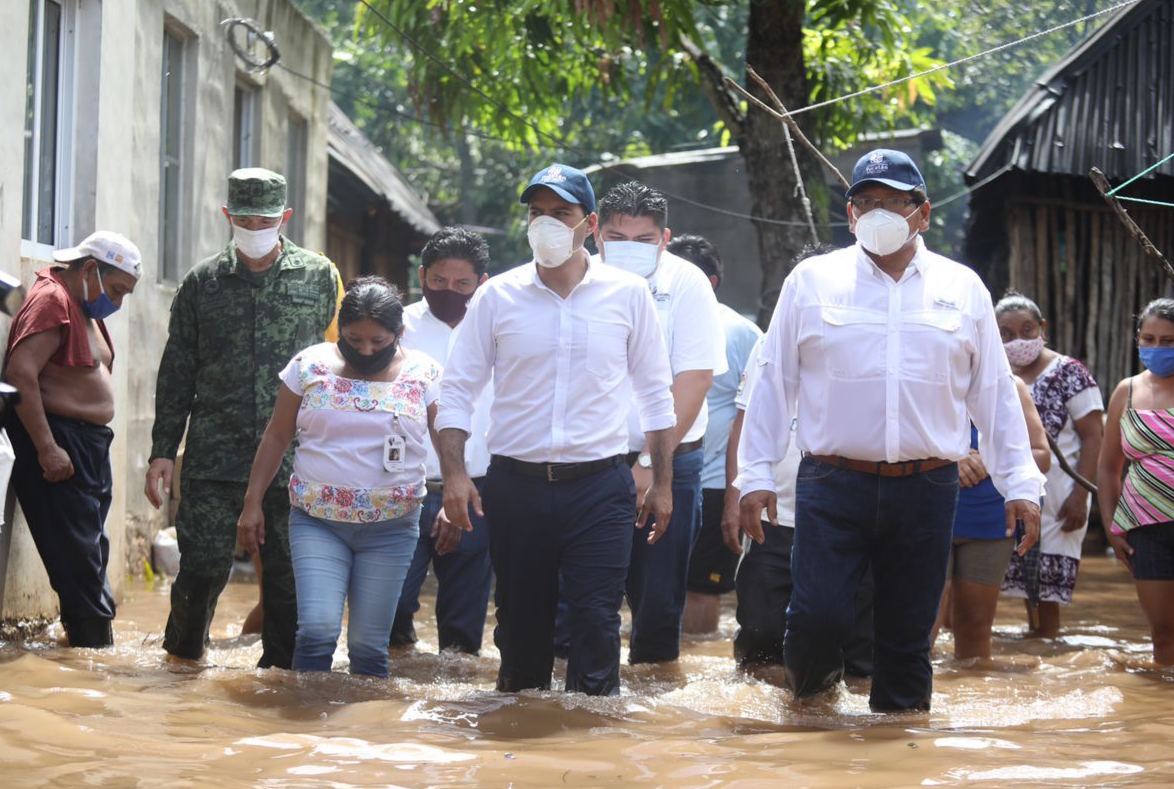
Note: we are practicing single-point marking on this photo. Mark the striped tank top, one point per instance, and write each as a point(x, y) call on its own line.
point(1147, 439)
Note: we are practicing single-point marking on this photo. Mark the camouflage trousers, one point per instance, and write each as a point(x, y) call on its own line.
point(206, 529)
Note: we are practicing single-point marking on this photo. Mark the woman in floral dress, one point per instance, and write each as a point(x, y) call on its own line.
point(361, 410)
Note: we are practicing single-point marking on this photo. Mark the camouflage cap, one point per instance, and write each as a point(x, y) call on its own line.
point(255, 191)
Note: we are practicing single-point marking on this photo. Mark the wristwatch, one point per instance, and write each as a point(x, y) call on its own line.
point(645, 460)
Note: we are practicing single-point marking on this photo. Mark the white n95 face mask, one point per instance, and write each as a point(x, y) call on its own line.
point(634, 256)
point(883, 232)
point(552, 242)
point(255, 244)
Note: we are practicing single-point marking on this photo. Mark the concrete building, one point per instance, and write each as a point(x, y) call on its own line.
point(131, 115)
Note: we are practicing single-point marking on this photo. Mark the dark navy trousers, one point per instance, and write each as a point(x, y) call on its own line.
point(66, 520)
point(463, 580)
point(846, 521)
point(579, 531)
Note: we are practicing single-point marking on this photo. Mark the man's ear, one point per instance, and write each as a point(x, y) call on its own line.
point(285, 217)
point(665, 237)
point(483, 280)
point(851, 217)
point(924, 210)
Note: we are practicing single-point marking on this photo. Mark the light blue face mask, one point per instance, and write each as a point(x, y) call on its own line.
point(1159, 361)
point(101, 307)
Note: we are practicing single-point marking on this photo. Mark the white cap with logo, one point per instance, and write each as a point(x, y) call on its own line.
point(111, 248)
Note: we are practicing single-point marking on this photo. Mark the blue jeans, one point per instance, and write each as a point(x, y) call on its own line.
point(845, 521)
point(660, 573)
point(577, 533)
point(360, 563)
point(463, 580)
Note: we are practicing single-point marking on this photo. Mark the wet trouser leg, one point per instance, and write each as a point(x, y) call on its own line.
point(537, 529)
point(205, 528)
point(66, 522)
point(659, 574)
point(463, 579)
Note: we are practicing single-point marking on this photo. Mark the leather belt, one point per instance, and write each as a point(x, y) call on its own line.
point(558, 472)
point(905, 468)
point(682, 448)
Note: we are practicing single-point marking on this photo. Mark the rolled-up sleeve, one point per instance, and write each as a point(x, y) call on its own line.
point(996, 411)
point(772, 401)
point(648, 366)
point(470, 365)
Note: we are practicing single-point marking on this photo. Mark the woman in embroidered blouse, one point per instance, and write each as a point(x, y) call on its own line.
point(1071, 407)
point(361, 410)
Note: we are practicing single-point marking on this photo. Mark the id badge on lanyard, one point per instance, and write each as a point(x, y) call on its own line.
point(394, 446)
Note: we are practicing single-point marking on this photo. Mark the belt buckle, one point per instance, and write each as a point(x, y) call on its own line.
point(550, 473)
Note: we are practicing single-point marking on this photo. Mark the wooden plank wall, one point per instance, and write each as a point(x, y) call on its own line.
point(1088, 275)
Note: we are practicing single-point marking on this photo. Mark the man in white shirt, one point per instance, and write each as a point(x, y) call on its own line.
point(712, 565)
point(888, 351)
point(454, 263)
point(633, 231)
point(566, 342)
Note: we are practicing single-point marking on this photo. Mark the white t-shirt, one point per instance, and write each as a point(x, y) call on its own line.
point(691, 325)
point(424, 332)
point(340, 465)
point(786, 470)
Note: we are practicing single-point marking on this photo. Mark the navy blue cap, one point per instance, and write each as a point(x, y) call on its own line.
point(886, 167)
point(566, 182)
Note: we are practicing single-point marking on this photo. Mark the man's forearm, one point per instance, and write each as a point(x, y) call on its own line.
point(689, 390)
point(31, 410)
point(451, 448)
point(660, 445)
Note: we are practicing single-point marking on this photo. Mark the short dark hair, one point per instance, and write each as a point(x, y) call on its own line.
point(1014, 301)
point(634, 199)
point(700, 252)
point(1158, 308)
point(372, 298)
point(457, 242)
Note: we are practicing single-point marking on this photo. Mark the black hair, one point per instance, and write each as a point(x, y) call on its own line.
point(1158, 308)
point(634, 199)
point(372, 298)
point(1014, 301)
point(700, 252)
point(457, 242)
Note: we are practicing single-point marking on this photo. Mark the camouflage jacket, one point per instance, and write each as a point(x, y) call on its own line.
point(231, 333)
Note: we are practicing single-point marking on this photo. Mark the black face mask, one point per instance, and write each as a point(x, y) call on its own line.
point(367, 363)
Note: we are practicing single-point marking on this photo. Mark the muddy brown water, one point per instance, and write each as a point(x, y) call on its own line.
point(1086, 709)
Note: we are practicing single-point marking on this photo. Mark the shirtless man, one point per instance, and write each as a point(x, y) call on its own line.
point(59, 359)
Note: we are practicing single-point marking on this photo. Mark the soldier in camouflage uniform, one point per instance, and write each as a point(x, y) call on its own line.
point(237, 319)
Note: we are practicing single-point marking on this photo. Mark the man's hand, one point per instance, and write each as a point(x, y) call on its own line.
point(643, 478)
point(1028, 512)
point(1073, 512)
point(750, 512)
point(459, 493)
point(159, 471)
point(656, 508)
point(1121, 548)
point(731, 525)
point(971, 470)
point(445, 536)
point(250, 528)
point(55, 463)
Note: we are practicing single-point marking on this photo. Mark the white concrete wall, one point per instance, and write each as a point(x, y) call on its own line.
point(117, 167)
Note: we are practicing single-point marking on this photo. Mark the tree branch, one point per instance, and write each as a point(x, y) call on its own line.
point(714, 87)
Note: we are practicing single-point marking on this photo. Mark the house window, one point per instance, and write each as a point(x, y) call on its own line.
point(245, 123)
point(171, 150)
point(48, 124)
point(295, 175)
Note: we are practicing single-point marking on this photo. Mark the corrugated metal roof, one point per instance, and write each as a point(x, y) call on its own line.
point(1108, 103)
point(351, 148)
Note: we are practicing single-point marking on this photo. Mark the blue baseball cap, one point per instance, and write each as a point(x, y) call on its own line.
point(566, 182)
point(888, 168)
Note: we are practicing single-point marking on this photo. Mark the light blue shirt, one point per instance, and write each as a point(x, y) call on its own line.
point(741, 335)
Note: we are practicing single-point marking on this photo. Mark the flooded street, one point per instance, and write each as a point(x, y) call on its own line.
point(1087, 709)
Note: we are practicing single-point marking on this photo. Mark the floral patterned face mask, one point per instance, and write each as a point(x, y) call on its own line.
point(1021, 353)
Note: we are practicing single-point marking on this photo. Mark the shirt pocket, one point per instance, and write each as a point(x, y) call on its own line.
point(932, 345)
point(607, 350)
point(854, 342)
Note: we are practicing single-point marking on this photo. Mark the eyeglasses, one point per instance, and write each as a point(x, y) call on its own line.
point(897, 205)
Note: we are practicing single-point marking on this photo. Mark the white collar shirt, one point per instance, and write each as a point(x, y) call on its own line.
point(562, 369)
point(692, 329)
point(886, 370)
point(426, 333)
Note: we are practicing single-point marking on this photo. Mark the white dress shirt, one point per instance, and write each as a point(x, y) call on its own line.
point(560, 367)
point(692, 330)
point(428, 334)
point(886, 370)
